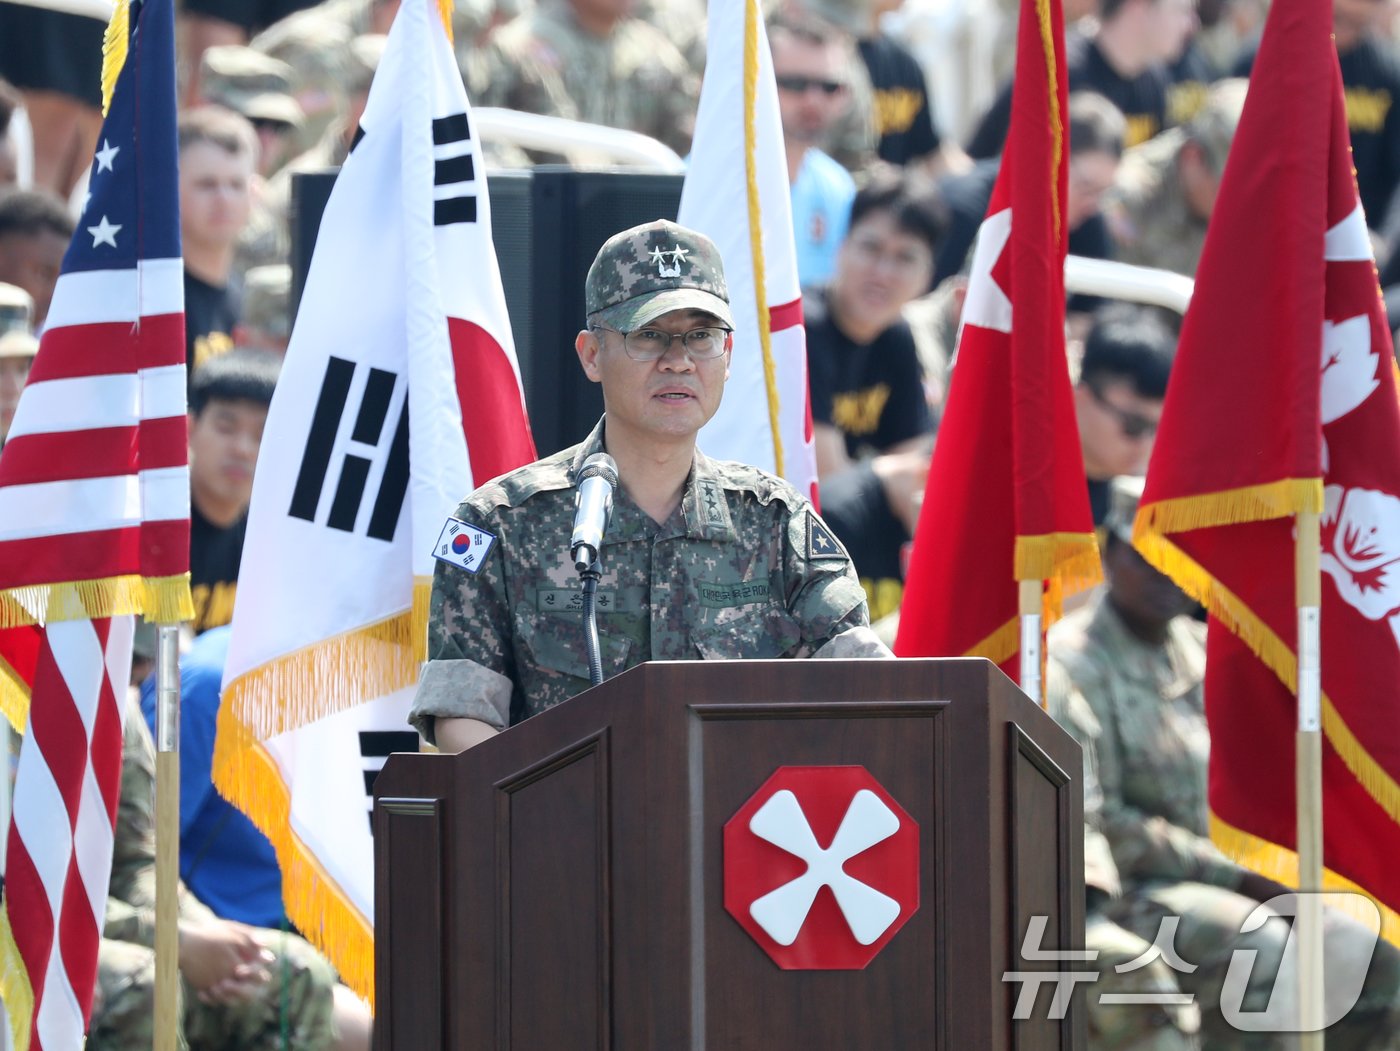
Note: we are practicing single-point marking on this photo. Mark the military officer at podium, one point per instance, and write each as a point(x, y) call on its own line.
point(702, 559)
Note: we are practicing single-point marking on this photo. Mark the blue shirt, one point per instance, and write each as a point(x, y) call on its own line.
point(224, 860)
point(821, 210)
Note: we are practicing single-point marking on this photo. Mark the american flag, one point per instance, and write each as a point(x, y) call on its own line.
point(94, 526)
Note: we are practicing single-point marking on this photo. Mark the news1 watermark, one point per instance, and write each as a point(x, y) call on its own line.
point(1280, 1013)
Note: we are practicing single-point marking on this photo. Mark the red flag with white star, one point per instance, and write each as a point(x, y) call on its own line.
point(1006, 498)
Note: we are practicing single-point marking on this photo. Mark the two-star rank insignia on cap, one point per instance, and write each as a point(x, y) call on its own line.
point(821, 542)
point(463, 545)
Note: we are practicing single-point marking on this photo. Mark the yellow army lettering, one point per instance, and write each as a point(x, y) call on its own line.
point(858, 412)
point(895, 110)
point(1367, 109)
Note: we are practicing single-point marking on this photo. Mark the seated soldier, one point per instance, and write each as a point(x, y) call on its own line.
point(241, 987)
point(1138, 658)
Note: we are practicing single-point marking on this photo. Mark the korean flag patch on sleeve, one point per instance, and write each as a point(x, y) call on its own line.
point(463, 545)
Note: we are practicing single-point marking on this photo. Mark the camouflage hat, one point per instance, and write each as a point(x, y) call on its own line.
point(1213, 126)
point(853, 16)
point(250, 83)
point(267, 294)
point(652, 269)
point(1124, 494)
point(363, 59)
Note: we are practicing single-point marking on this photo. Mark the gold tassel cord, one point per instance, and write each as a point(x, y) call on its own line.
point(1281, 864)
point(1056, 120)
point(755, 208)
point(999, 646)
point(114, 45)
point(15, 989)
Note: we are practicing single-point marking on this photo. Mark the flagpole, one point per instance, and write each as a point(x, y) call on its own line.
point(1030, 602)
point(167, 836)
point(1309, 779)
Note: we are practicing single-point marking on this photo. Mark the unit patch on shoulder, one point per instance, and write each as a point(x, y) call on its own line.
point(463, 545)
point(821, 542)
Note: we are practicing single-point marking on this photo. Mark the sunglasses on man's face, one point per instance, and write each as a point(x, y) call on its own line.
point(802, 85)
point(1132, 424)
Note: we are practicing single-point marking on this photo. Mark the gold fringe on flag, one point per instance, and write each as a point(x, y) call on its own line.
point(14, 697)
point(1281, 864)
point(760, 278)
point(1252, 503)
point(314, 903)
point(114, 43)
point(295, 690)
point(1000, 644)
point(445, 8)
point(15, 989)
point(1250, 628)
point(163, 600)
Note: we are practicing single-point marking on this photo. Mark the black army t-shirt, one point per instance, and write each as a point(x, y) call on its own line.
point(854, 506)
point(872, 394)
point(903, 119)
point(215, 553)
point(211, 312)
point(1143, 98)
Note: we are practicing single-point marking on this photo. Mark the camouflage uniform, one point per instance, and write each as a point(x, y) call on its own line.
point(1114, 1026)
point(742, 568)
point(633, 78)
point(1151, 755)
point(1146, 211)
point(292, 1011)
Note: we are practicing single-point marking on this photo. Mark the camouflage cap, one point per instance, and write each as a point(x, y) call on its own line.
point(1124, 494)
point(267, 294)
point(250, 83)
point(1213, 126)
point(650, 270)
point(853, 16)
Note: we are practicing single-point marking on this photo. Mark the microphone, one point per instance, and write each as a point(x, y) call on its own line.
point(596, 483)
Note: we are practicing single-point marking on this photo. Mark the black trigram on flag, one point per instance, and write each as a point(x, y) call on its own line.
point(369, 431)
point(454, 173)
point(375, 747)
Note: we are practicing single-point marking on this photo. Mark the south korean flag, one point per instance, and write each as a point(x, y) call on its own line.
point(464, 545)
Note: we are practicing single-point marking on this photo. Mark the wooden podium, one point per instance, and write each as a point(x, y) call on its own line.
point(562, 886)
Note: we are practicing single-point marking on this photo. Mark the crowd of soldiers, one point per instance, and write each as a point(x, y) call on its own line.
point(874, 90)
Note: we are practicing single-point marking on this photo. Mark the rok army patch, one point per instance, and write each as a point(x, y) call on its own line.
point(463, 545)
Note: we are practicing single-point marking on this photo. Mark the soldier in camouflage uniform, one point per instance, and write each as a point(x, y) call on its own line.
point(241, 987)
point(702, 559)
point(1124, 962)
point(1165, 188)
point(587, 60)
point(1138, 658)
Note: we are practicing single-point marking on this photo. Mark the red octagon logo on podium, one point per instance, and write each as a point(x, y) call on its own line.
point(821, 867)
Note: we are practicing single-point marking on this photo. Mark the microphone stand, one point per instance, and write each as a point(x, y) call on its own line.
point(590, 577)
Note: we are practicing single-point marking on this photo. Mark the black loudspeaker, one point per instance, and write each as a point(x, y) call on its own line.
point(573, 213)
point(547, 225)
point(310, 192)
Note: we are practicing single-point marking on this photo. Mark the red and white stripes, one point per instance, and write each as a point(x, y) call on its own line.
point(96, 457)
point(65, 805)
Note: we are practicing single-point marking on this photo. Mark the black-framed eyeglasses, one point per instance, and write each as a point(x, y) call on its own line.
point(651, 344)
point(1132, 424)
point(801, 85)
